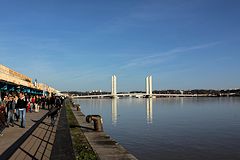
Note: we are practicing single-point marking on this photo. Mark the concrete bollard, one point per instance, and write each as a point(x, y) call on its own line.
point(97, 120)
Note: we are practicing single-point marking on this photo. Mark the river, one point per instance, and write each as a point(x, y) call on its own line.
point(172, 128)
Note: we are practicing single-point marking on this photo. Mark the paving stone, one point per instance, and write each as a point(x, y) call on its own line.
point(38, 145)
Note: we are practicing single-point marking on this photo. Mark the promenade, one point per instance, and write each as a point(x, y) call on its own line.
point(41, 140)
point(38, 144)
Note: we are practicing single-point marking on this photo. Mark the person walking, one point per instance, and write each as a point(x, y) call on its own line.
point(5, 102)
point(53, 113)
point(22, 105)
point(37, 104)
point(10, 110)
point(2, 118)
point(52, 102)
point(16, 108)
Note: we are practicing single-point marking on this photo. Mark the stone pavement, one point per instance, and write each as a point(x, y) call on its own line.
point(38, 145)
point(11, 134)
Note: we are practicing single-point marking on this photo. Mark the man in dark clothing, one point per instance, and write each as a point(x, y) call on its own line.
point(58, 102)
point(22, 105)
point(52, 102)
point(53, 113)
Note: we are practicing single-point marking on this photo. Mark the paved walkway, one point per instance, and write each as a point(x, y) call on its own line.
point(38, 145)
point(11, 134)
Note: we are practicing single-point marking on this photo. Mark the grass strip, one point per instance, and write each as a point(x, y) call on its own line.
point(82, 149)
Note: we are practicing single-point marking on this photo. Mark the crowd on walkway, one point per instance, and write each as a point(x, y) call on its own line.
point(14, 106)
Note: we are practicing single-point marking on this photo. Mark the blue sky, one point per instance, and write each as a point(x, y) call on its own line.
point(79, 45)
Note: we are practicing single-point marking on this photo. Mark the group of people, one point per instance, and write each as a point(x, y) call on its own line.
point(13, 107)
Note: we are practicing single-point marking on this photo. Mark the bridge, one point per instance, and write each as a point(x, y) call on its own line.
point(148, 93)
point(138, 95)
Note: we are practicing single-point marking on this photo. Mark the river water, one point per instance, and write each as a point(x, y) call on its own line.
point(172, 128)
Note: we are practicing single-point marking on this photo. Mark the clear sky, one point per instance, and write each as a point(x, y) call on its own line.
point(79, 44)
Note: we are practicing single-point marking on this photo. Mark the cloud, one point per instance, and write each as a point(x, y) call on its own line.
point(165, 56)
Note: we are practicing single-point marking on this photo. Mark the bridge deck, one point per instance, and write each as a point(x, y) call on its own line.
point(139, 95)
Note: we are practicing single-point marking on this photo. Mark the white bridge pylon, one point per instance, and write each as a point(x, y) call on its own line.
point(148, 86)
point(114, 86)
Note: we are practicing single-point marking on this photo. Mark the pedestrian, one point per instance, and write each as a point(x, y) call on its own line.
point(16, 108)
point(52, 102)
point(4, 103)
point(53, 113)
point(22, 105)
point(37, 104)
point(10, 110)
point(48, 103)
point(32, 100)
point(2, 118)
point(58, 102)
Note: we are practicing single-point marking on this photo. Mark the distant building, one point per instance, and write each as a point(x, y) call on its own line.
point(11, 80)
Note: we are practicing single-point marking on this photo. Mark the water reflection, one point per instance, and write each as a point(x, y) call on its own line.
point(149, 110)
point(114, 111)
point(181, 98)
point(183, 128)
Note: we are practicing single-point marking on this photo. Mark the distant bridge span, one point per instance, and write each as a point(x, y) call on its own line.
point(139, 95)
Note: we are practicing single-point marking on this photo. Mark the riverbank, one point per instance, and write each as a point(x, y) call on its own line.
point(82, 148)
point(102, 144)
